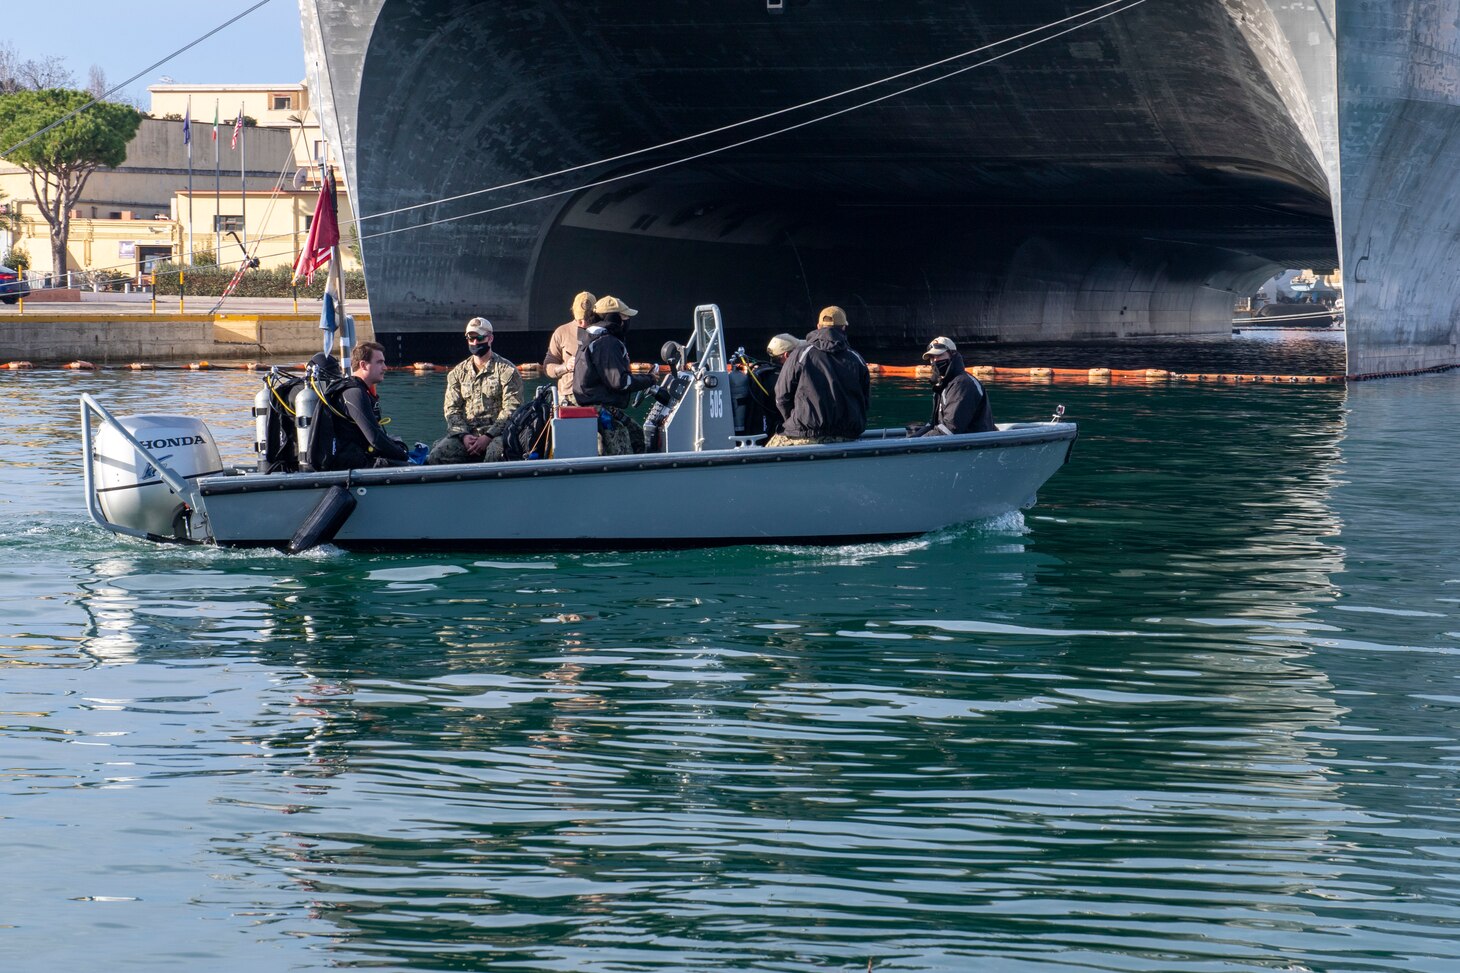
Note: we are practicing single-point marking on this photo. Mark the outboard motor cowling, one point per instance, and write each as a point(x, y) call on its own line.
point(128, 486)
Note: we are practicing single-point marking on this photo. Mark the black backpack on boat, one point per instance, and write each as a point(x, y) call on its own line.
point(525, 433)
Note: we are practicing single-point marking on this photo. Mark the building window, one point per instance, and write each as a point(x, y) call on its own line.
point(228, 224)
point(318, 150)
point(281, 102)
point(308, 221)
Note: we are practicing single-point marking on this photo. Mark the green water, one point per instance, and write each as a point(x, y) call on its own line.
point(1196, 711)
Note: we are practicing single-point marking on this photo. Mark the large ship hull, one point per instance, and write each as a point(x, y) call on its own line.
point(1130, 177)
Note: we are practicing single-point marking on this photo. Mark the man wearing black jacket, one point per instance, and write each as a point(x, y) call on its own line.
point(360, 441)
point(959, 402)
point(823, 388)
point(601, 377)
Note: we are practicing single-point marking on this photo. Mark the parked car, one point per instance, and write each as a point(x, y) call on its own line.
point(12, 286)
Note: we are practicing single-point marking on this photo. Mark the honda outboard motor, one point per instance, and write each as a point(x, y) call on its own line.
point(129, 488)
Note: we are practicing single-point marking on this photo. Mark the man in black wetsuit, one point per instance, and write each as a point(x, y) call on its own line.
point(359, 439)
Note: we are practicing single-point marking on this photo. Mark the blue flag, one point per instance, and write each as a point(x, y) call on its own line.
point(327, 321)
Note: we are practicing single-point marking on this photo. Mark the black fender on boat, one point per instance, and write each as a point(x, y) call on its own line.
point(324, 521)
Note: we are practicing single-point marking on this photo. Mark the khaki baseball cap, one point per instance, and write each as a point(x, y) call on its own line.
point(479, 326)
point(582, 304)
point(832, 316)
point(612, 305)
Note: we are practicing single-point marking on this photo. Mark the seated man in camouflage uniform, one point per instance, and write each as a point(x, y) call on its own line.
point(823, 388)
point(481, 393)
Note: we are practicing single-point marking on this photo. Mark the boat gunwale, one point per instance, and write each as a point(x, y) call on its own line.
point(869, 446)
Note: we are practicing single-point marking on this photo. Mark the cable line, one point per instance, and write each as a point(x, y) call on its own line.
point(755, 138)
point(747, 121)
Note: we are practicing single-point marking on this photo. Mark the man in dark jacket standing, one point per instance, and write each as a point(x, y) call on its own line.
point(360, 441)
point(959, 402)
point(602, 378)
point(824, 387)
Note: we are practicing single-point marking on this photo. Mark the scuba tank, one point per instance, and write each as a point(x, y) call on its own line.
point(306, 407)
point(262, 406)
point(313, 432)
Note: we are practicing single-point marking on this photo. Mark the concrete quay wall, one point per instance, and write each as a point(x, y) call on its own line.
point(56, 336)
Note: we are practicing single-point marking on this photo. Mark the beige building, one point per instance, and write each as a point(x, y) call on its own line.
point(276, 106)
point(140, 213)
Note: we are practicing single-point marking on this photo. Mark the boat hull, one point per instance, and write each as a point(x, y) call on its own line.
point(877, 487)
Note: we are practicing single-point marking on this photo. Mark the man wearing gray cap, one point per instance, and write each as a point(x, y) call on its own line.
point(762, 416)
point(959, 402)
point(481, 393)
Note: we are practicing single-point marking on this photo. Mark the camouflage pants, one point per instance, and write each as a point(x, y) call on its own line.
point(781, 439)
point(452, 450)
point(624, 437)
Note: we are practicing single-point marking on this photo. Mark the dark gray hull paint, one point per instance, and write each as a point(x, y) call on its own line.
point(1131, 178)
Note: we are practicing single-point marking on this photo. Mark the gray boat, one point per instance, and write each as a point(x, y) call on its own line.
point(160, 478)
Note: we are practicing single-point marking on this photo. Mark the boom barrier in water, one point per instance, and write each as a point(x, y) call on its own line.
point(986, 373)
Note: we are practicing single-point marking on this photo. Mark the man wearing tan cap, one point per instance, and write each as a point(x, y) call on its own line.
point(959, 402)
point(824, 387)
point(481, 393)
point(563, 346)
point(601, 377)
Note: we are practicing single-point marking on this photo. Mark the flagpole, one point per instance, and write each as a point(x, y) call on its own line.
point(217, 194)
point(188, 128)
point(326, 175)
point(242, 183)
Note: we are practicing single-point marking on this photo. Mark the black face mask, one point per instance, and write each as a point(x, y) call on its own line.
point(616, 324)
point(942, 367)
point(480, 350)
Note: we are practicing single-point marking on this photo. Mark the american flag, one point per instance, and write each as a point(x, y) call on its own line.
point(237, 128)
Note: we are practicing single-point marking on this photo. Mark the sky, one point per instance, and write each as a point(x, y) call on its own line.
point(262, 48)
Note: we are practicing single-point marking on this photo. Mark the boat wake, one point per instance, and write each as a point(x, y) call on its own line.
point(854, 554)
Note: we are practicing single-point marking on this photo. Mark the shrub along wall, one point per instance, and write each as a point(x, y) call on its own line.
point(270, 282)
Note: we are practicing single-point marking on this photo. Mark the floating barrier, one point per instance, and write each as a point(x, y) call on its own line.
point(1105, 376)
point(1098, 375)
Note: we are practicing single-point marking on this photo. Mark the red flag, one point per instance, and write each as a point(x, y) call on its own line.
point(324, 232)
point(237, 128)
